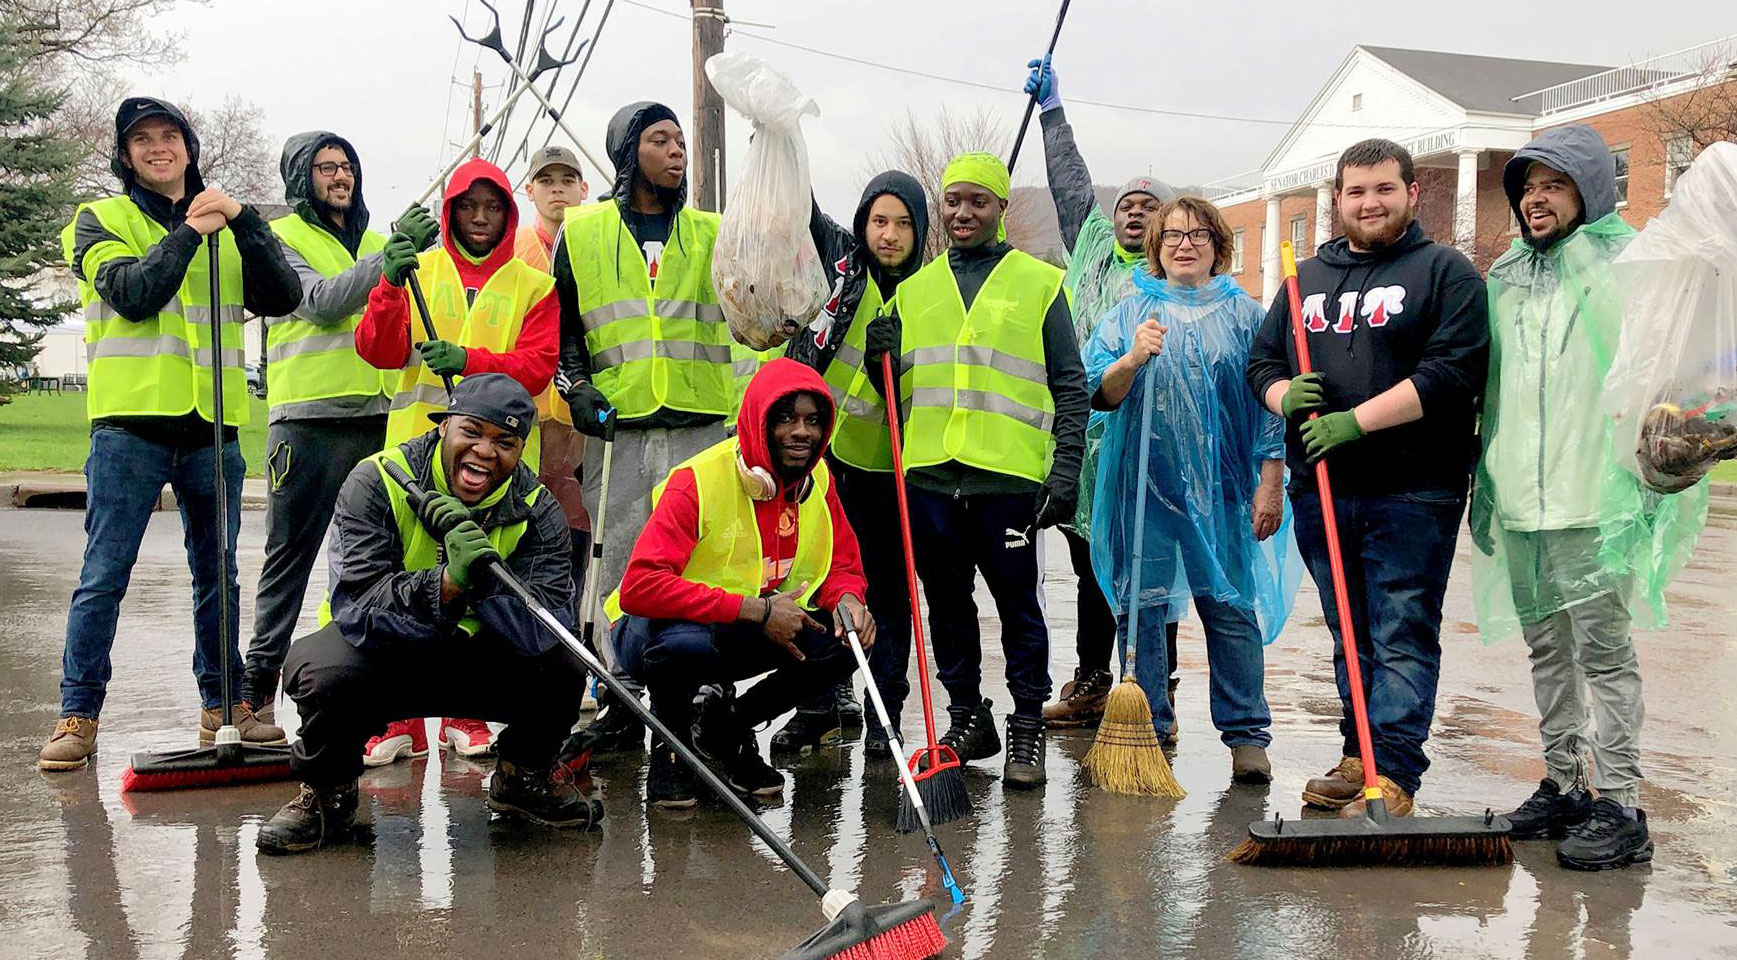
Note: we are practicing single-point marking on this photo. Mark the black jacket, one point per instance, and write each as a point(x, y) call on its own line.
point(376, 602)
point(1413, 310)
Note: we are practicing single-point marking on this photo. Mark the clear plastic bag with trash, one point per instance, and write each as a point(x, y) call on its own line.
point(765, 269)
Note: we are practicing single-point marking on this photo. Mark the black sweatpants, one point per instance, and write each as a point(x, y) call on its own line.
point(346, 694)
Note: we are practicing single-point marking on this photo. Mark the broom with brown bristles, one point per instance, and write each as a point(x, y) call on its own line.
point(1126, 757)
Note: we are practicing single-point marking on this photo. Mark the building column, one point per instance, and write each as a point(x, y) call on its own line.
point(1323, 215)
point(1270, 252)
point(1466, 204)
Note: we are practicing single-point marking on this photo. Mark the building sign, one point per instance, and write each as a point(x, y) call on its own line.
point(1323, 171)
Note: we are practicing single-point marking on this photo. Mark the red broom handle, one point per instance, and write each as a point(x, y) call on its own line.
point(1335, 558)
point(892, 404)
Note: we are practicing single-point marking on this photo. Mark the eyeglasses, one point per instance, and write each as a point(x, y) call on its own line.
point(331, 167)
point(1173, 238)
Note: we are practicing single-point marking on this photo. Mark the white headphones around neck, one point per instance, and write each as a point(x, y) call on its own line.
point(759, 483)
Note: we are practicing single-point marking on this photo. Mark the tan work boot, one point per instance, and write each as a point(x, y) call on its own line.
point(71, 745)
point(1398, 801)
point(1337, 787)
point(1249, 764)
point(252, 729)
point(1081, 702)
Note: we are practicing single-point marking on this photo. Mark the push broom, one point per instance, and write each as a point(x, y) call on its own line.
point(228, 760)
point(1377, 837)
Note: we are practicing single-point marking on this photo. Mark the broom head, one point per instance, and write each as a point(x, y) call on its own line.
point(941, 783)
point(894, 931)
point(1126, 757)
point(1372, 840)
point(214, 766)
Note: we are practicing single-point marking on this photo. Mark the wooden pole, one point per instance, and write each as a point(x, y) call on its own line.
point(706, 141)
point(476, 110)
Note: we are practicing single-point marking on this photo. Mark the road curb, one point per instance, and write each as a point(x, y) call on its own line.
point(67, 492)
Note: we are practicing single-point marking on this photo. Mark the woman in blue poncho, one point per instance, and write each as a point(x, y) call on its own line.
point(1215, 527)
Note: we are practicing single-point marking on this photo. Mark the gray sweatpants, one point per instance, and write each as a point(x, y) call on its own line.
point(1581, 653)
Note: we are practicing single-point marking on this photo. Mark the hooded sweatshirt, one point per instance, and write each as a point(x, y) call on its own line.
point(1413, 310)
point(383, 336)
point(653, 585)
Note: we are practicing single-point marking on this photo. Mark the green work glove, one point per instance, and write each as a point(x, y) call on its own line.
point(1303, 395)
point(442, 357)
point(1323, 434)
point(442, 513)
point(398, 258)
point(419, 225)
point(466, 547)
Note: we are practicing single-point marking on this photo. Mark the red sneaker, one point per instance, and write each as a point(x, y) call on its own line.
point(469, 738)
point(403, 738)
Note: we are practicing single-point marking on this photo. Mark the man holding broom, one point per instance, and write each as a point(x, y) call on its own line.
point(1397, 330)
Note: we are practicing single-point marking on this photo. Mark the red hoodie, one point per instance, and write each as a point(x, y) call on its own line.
point(653, 585)
point(383, 335)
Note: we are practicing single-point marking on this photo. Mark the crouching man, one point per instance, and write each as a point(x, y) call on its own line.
point(406, 603)
point(747, 565)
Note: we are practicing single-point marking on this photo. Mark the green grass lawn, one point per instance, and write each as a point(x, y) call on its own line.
point(50, 432)
point(1725, 472)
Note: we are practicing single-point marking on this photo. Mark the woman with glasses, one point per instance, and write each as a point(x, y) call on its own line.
point(1215, 530)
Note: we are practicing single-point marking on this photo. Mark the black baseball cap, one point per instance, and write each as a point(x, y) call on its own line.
point(494, 397)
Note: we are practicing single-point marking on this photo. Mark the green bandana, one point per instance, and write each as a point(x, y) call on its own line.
point(987, 171)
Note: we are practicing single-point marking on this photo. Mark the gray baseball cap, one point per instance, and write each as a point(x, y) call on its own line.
point(551, 155)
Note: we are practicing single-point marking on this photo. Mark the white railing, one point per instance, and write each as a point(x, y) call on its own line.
point(1230, 186)
point(1713, 57)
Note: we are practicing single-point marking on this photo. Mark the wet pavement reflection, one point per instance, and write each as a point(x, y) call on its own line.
point(1065, 872)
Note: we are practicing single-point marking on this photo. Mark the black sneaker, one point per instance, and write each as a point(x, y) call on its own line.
point(539, 796)
point(874, 738)
point(808, 731)
point(1024, 764)
point(1549, 812)
point(1606, 839)
point(748, 772)
point(668, 783)
point(849, 709)
point(613, 729)
point(312, 819)
point(972, 733)
point(715, 734)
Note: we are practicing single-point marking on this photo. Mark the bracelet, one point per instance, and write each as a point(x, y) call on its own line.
point(765, 611)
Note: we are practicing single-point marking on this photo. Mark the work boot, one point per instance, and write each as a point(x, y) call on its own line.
point(1549, 813)
point(1398, 801)
point(401, 738)
point(1081, 702)
point(251, 728)
point(613, 729)
point(70, 746)
point(849, 708)
point(874, 737)
point(668, 782)
point(1249, 764)
point(536, 794)
point(972, 732)
point(1024, 764)
point(1609, 837)
point(1337, 787)
point(808, 731)
point(309, 821)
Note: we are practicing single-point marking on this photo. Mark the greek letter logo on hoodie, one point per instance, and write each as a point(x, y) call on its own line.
point(1380, 304)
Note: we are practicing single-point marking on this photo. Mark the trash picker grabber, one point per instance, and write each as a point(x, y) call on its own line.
point(1377, 837)
point(936, 767)
point(228, 760)
point(911, 791)
point(588, 595)
point(427, 321)
point(1031, 104)
point(863, 928)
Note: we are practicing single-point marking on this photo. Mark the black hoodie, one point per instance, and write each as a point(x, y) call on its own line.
point(1414, 310)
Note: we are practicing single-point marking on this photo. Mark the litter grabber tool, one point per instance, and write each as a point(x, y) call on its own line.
point(1031, 104)
point(900, 931)
point(588, 596)
point(1378, 837)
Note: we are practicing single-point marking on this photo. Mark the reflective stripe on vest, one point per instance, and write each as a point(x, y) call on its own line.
point(159, 366)
point(859, 433)
point(744, 363)
point(975, 380)
point(729, 554)
point(310, 361)
point(653, 344)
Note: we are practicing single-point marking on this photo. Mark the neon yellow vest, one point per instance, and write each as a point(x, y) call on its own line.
point(160, 366)
point(653, 345)
point(744, 363)
point(859, 432)
point(975, 381)
point(729, 554)
point(305, 360)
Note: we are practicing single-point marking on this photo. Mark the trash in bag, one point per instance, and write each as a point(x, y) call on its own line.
point(765, 270)
point(1673, 386)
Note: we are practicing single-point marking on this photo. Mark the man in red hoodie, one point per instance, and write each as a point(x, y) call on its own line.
point(747, 565)
point(493, 313)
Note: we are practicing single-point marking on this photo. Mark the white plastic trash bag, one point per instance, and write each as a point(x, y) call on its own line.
point(766, 272)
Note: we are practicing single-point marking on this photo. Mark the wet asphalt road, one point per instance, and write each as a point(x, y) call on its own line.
point(1066, 872)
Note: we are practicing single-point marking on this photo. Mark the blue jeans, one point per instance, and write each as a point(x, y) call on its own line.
point(1236, 662)
point(1398, 549)
point(124, 476)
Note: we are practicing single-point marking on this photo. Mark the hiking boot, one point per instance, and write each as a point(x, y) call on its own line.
point(1081, 702)
point(312, 819)
point(573, 763)
point(613, 729)
point(70, 746)
point(715, 733)
point(808, 731)
point(252, 729)
point(849, 708)
point(467, 738)
point(1549, 812)
point(972, 732)
point(1024, 764)
point(1249, 764)
point(747, 772)
point(669, 784)
point(401, 738)
point(1337, 787)
point(1397, 800)
point(874, 738)
point(539, 796)
point(1609, 837)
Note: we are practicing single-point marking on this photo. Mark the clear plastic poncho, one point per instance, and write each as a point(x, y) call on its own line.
point(1209, 437)
point(1100, 275)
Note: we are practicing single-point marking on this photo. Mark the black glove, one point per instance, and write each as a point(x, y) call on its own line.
point(1057, 507)
point(884, 335)
point(592, 411)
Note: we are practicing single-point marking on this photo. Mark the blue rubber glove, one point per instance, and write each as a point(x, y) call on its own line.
point(1043, 82)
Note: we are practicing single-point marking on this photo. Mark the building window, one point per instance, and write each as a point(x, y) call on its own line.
point(1356, 102)
point(1236, 248)
point(1620, 155)
point(1299, 234)
point(1679, 153)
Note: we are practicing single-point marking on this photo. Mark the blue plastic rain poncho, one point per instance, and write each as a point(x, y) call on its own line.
point(1209, 438)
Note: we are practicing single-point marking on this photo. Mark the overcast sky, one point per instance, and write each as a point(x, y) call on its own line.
point(387, 73)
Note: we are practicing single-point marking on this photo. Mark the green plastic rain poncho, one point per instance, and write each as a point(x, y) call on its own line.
point(1210, 437)
point(1100, 274)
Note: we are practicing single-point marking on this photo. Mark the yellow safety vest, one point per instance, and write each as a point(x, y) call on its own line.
point(729, 554)
point(160, 366)
point(307, 361)
point(859, 432)
point(653, 345)
point(744, 363)
point(975, 380)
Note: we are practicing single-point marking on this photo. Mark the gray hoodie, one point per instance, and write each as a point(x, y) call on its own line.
point(1578, 151)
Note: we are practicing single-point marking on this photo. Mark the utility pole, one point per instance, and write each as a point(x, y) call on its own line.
point(706, 145)
point(476, 109)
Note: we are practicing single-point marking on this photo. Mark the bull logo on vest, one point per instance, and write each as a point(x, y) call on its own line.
point(1379, 305)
